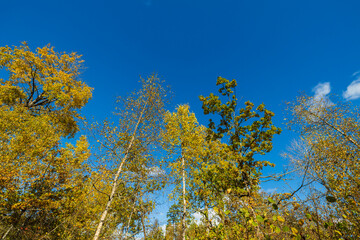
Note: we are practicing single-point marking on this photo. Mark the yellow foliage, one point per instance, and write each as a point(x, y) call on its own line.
point(38, 107)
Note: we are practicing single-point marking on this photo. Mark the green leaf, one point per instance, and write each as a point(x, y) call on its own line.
point(255, 224)
point(267, 237)
point(259, 218)
point(326, 225)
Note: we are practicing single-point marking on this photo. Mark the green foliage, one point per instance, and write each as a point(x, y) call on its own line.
point(224, 182)
point(230, 170)
point(247, 132)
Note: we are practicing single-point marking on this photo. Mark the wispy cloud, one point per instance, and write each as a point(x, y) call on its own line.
point(321, 90)
point(155, 171)
point(355, 74)
point(320, 100)
point(353, 90)
point(270, 190)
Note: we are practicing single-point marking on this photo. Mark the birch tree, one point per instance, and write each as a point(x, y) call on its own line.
point(128, 146)
point(329, 155)
point(183, 139)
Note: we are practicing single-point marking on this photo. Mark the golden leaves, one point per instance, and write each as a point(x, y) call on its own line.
point(43, 80)
point(38, 105)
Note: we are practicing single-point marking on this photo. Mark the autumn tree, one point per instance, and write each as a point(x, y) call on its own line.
point(203, 194)
point(246, 132)
point(41, 179)
point(128, 161)
point(174, 227)
point(183, 139)
point(328, 154)
point(155, 232)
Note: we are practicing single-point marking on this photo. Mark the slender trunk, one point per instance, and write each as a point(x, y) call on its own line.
point(143, 225)
point(117, 175)
point(7, 232)
point(128, 225)
point(174, 230)
point(129, 221)
point(184, 200)
point(207, 219)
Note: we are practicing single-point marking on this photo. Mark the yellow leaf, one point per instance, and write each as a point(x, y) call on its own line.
point(294, 231)
point(280, 219)
point(338, 232)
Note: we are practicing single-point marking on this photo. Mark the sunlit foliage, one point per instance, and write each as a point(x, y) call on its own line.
point(42, 180)
point(53, 186)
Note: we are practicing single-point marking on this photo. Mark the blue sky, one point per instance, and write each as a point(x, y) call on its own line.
point(275, 49)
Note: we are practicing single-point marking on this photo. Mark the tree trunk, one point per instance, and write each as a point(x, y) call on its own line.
point(143, 225)
point(184, 199)
point(7, 232)
point(117, 175)
point(207, 219)
point(174, 230)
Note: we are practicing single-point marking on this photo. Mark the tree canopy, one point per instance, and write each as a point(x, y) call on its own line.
point(65, 178)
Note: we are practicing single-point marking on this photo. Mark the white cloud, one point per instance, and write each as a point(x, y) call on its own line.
point(197, 217)
point(355, 74)
point(321, 90)
point(270, 190)
point(213, 217)
point(163, 228)
point(155, 171)
point(353, 90)
point(320, 101)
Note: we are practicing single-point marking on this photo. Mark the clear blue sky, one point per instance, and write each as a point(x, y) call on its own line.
point(275, 49)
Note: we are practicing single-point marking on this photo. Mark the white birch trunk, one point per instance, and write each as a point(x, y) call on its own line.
point(184, 199)
point(115, 183)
